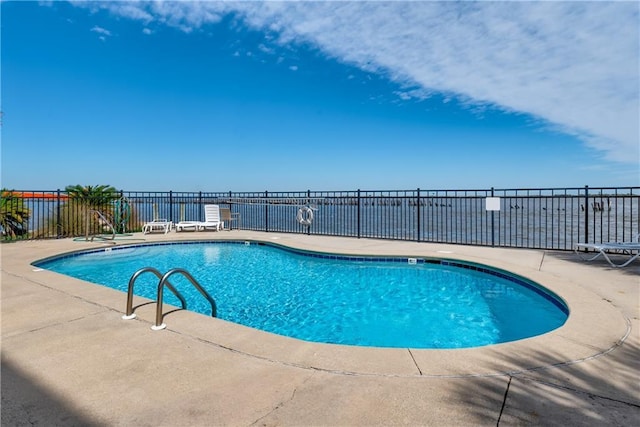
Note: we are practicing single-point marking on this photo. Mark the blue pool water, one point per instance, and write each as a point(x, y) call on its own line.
point(360, 301)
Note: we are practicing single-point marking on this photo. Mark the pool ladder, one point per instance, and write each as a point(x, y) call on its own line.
point(164, 281)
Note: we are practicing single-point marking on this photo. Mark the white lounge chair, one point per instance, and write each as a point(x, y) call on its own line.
point(631, 249)
point(187, 225)
point(157, 225)
point(211, 218)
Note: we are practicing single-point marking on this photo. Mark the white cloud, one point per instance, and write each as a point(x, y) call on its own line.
point(183, 15)
point(101, 31)
point(571, 64)
point(263, 48)
point(129, 10)
point(293, 68)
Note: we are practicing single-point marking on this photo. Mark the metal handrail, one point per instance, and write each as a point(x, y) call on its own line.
point(164, 281)
point(129, 314)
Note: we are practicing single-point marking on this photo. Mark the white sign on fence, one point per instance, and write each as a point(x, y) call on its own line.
point(493, 203)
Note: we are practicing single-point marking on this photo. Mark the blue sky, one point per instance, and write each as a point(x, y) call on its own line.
point(290, 96)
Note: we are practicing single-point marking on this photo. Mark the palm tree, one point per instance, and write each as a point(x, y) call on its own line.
point(91, 198)
point(13, 214)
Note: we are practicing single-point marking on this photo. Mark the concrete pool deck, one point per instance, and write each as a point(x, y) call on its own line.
point(69, 359)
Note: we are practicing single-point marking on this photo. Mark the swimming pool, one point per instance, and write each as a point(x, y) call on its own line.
point(367, 301)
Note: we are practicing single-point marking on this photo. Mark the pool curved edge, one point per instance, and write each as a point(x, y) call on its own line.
point(593, 328)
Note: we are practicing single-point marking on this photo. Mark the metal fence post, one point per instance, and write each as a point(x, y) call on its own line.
point(171, 205)
point(358, 214)
point(58, 219)
point(266, 211)
point(418, 215)
point(493, 230)
point(586, 214)
point(309, 204)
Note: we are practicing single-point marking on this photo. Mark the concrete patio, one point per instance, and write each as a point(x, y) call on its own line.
point(69, 359)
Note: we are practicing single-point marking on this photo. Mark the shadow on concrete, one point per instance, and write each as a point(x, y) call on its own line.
point(590, 393)
point(27, 403)
point(632, 269)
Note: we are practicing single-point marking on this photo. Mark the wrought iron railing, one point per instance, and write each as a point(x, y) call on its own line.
point(546, 218)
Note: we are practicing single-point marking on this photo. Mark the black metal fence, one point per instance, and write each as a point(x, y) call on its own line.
point(549, 218)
